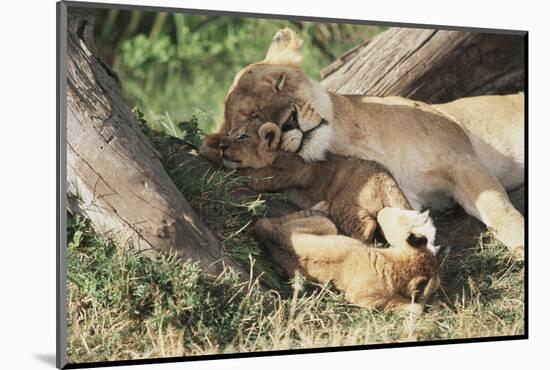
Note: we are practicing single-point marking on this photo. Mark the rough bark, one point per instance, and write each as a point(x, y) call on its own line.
point(433, 66)
point(114, 174)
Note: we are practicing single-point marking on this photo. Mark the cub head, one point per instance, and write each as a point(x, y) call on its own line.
point(406, 229)
point(251, 146)
point(271, 90)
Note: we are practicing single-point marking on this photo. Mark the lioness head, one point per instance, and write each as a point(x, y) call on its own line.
point(273, 90)
point(251, 146)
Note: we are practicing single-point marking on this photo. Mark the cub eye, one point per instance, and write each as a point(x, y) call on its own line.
point(243, 137)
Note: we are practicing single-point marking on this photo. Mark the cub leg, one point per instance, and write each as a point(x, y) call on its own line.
point(309, 245)
point(319, 209)
point(279, 230)
point(483, 197)
point(354, 221)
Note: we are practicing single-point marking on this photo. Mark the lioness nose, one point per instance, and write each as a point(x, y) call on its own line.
point(223, 145)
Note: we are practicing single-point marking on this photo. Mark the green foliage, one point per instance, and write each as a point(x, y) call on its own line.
point(191, 131)
point(180, 65)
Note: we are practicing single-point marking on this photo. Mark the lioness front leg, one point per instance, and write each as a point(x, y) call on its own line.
point(483, 197)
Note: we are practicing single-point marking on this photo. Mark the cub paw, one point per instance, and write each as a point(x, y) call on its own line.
point(321, 208)
point(291, 141)
point(414, 309)
point(210, 147)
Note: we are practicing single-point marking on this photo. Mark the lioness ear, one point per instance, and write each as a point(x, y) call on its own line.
point(271, 134)
point(285, 49)
point(276, 80)
point(281, 82)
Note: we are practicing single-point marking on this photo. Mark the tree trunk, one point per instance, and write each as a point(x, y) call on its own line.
point(431, 65)
point(114, 174)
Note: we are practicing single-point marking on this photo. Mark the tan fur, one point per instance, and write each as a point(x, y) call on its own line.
point(356, 192)
point(469, 150)
point(401, 278)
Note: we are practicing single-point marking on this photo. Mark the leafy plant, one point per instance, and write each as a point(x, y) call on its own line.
point(180, 65)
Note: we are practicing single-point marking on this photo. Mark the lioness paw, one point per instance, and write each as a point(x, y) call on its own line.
point(308, 117)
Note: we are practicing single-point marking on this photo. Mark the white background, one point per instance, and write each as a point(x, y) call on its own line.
point(28, 181)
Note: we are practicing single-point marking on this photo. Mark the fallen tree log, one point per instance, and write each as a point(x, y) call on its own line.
point(114, 175)
point(433, 66)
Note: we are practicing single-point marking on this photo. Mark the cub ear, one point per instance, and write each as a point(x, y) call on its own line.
point(271, 135)
point(285, 49)
point(416, 240)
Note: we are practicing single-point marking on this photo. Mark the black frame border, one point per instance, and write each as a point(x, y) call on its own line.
point(61, 174)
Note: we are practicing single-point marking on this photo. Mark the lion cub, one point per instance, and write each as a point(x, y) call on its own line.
point(401, 278)
point(354, 190)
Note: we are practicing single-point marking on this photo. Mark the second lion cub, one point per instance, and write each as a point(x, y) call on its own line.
point(353, 191)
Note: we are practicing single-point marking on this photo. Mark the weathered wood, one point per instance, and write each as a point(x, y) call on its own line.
point(115, 176)
point(433, 66)
point(342, 59)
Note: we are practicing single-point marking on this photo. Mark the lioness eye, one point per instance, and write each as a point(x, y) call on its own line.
point(243, 137)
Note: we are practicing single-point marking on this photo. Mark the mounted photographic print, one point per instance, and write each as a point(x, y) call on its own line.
point(236, 184)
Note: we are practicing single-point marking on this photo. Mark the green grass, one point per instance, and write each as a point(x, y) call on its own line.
point(123, 305)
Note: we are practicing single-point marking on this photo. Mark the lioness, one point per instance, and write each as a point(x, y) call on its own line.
point(402, 277)
point(470, 150)
point(356, 192)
